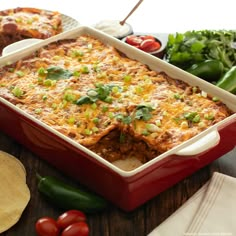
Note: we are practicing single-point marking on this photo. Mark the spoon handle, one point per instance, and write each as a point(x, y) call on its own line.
point(131, 12)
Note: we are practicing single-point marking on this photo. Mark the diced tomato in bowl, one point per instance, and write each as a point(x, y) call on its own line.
point(147, 43)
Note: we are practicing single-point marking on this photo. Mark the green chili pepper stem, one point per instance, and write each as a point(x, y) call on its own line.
point(39, 177)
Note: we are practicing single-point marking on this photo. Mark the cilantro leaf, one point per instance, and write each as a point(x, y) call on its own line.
point(57, 73)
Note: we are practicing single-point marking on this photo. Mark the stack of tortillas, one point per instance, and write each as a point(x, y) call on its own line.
point(14, 192)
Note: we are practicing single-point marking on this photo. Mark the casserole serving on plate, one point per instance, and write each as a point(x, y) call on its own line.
point(84, 101)
point(25, 22)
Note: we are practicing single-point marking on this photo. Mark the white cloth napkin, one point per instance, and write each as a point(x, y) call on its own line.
point(209, 212)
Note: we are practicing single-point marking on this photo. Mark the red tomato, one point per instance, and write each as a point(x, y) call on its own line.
point(46, 226)
point(155, 46)
point(143, 37)
point(70, 217)
point(133, 40)
point(76, 229)
point(146, 44)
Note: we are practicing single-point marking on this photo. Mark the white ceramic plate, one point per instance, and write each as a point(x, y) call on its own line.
point(69, 23)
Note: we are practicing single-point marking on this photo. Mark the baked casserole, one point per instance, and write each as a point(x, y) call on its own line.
point(22, 23)
point(111, 104)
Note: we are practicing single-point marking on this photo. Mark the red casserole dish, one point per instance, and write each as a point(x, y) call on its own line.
point(126, 189)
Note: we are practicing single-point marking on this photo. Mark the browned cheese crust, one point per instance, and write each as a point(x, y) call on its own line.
point(107, 102)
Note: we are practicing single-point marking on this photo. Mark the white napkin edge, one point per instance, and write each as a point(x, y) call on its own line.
point(208, 212)
point(182, 217)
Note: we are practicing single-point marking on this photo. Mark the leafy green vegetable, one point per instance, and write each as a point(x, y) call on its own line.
point(85, 100)
point(57, 73)
point(193, 47)
point(100, 92)
point(143, 112)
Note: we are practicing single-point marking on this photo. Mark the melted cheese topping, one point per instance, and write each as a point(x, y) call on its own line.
point(30, 22)
point(85, 89)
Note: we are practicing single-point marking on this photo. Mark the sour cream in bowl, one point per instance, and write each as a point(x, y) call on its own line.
point(114, 28)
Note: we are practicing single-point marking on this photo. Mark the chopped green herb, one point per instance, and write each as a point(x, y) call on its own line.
point(20, 73)
point(124, 119)
point(177, 119)
point(57, 73)
point(92, 93)
point(95, 120)
point(96, 68)
point(76, 73)
point(143, 112)
point(40, 80)
point(177, 96)
point(85, 100)
point(196, 119)
point(95, 129)
point(88, 131)
point(77, 53)
point(17, 92)
point(47, 82)
point(104, 108)
point(209, 116)
point(69, 97)
point(127, 78)
point(127, 120)
point(101, 92)
point(29, 21)
point(192, 116)
point(84, 70)
point(215, 99)
point(116, 89)
point(108, 99)
point(122, 137)
point(90, 46)
point(18, 20)
point(38, 110)
point(194, 89)
point(42, 71)
point(145, 132)
point(94, 106)
point(54, 106)
point(71, 120)
point(111, 115)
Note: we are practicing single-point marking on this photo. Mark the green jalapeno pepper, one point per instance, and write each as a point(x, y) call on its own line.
point(228, 81)
point(209, 70)
point(67, 197)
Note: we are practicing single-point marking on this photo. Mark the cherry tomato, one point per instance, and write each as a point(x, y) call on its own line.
point(70, 217)
point(133, 40)
point(46, 226)
point(143, 37)
point(146, 44)
point(76, 229)
point(153, 47)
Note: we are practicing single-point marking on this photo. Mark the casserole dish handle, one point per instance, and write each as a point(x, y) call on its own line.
point(210, 140)
point(19, 45)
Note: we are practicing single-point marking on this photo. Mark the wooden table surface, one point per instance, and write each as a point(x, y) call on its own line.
point(113, 221)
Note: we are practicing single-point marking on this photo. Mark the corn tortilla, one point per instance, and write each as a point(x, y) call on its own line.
point(14, 192)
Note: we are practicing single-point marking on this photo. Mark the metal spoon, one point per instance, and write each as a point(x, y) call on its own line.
point(131, 12)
